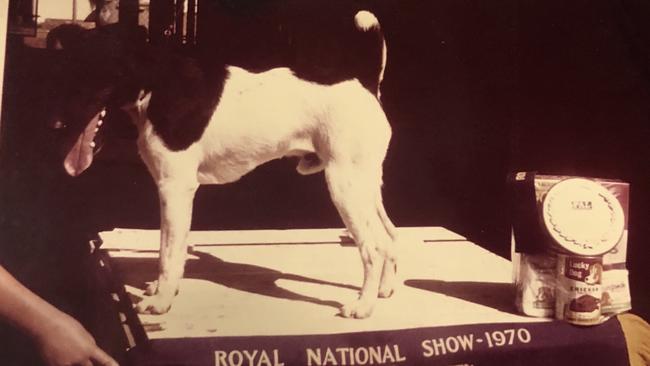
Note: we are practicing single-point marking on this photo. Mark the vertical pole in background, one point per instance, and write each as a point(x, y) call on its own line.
point(4, 16)
point(208, 18)
point(129, 11)
point(179, 19)
point(191, 22)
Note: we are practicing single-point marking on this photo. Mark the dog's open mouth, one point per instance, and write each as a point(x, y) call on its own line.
point(80, 156)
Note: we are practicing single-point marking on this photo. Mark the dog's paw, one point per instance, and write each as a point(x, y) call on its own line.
point(388, 283)
point(358, 309)
point(156, 304)
point(386, 291)
point(387, 286)
point(151, 289)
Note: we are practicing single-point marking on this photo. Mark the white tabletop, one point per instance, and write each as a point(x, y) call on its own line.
point(290, 282)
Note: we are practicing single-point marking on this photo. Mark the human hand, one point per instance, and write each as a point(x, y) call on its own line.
point(65, 342)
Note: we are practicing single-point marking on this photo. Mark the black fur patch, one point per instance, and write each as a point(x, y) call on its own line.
point(329, 50)
point(109, 66)
point(362, 61)
point(183, 99)
point(96, 69)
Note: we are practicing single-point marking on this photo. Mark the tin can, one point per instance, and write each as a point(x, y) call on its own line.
point(582, 217)
point(616, 292)
point(579, 289)
point(535, 285)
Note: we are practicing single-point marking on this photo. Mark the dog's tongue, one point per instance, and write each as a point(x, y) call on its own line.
point(80, 155)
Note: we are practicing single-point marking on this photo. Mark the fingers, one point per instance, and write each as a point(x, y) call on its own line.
point(102, 358)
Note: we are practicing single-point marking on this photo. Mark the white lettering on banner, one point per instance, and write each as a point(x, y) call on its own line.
point(350, 356)
point(507, 337)
point(441, 346)
point(247, 358)
point(466, 342)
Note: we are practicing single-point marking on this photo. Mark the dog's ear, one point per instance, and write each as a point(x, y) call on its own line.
point(65, 36)
point(143, 100)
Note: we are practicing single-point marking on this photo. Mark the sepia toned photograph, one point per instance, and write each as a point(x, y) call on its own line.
point(324, 182)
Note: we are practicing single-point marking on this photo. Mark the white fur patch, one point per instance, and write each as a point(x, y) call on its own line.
point(269, 115)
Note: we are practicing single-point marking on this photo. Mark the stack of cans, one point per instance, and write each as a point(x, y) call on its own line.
point(569, 243)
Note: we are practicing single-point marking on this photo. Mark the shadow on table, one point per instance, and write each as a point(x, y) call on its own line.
point(239, 276)
point(499, 296)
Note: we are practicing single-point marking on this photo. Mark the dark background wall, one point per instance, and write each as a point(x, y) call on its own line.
point(473, 89)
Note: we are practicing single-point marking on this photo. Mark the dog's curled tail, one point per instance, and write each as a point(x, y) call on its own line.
point(365, 20)
point(372, 51)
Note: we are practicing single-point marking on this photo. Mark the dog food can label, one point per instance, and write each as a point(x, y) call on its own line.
point(535, 284)
point(616, 292)
point(583, 217)
point(579, 289)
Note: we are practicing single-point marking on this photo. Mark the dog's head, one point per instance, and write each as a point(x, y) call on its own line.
point(595, 273)
point(101, 71)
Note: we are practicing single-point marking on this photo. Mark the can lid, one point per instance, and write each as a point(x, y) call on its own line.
point(583, 217)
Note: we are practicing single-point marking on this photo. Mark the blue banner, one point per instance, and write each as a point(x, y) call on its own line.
point(546, 343)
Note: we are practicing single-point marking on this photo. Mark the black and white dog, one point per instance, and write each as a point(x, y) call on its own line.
point(227, 121)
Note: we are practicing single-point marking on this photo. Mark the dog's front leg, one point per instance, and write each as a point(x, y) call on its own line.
point(176, 199)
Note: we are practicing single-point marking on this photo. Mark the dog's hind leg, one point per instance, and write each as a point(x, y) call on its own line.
point(176, 198)
point(355, 191)
point(389, 271)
